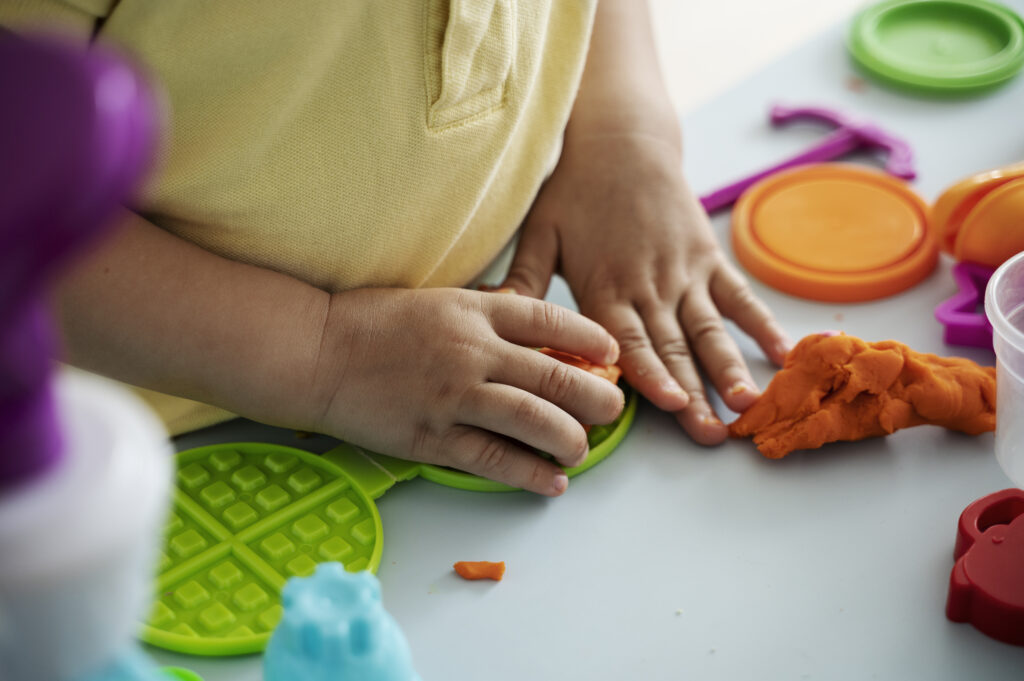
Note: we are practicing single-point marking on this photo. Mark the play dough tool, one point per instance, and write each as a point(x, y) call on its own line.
point(249, 516)
point(850, 135)
point(939, 46)
point(834, 233)
point(986, 587)
point(960, 314)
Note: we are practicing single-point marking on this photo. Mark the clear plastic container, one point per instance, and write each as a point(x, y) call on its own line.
point(78, 546)
point(1004, 306)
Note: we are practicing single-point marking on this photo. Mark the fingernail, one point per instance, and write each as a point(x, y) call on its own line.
point(709, 419)
point(670, 385)
point(560, 483)
point(783, 347)
point(612, 356)
point(740, 387)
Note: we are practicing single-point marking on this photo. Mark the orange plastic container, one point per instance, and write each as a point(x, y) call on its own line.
point(981, 218)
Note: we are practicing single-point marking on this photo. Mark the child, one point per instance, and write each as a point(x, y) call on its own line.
point(334, 169)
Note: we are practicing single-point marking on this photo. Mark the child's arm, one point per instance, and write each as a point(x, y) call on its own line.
point(438, 375)
point(619, 220)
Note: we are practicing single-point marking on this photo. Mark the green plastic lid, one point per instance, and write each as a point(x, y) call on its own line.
point(939, 46)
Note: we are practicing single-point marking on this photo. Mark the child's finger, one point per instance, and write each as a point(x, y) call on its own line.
point(676, 353)
point(538, 324)
point(700, 421)
point(735, 300)
point(640, 363)
point(490, 456)
point(534, 262)
point(585, 397)
point(527, 418)
point(718, 353)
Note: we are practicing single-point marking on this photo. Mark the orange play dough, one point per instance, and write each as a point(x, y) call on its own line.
point(612, 372)
point(837, 387)
point(480, 569)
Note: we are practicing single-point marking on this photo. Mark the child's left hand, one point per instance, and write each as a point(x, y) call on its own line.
point(619, 222)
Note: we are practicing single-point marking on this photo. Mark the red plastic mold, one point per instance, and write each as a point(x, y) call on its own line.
point(986, 587)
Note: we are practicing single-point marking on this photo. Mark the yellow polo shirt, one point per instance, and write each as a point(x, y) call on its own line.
point(348, 143)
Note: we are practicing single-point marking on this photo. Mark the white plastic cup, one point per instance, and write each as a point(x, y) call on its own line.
point(78, 545)
point(1004, 306)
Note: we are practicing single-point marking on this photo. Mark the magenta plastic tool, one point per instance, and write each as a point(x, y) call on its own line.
point(852, 134)
point(962, 313)
point(75, 134)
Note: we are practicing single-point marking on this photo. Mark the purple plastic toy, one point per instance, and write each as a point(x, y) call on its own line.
point(851, 135)
point(960, 314)
point(75, 135)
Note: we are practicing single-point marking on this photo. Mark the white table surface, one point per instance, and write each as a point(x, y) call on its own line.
point(672, 561)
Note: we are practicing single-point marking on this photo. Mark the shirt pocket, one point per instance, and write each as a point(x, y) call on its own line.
point(469, 49)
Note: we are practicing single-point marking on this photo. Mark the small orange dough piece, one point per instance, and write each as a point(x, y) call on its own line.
point(838, 387)
point(480, 569)
point(610, 371)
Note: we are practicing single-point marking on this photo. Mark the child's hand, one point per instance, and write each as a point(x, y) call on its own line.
point(448, 376)
point(638, 252)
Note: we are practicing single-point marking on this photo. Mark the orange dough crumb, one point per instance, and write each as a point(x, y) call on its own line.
point(610, 371)
point(480, 569)
point(837, 387)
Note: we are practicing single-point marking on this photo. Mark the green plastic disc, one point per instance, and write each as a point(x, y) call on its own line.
point(939, 46)
point(603, 441)
point(246, 518)
point(179, 674)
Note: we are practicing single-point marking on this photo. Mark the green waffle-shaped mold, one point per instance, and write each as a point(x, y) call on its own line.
point(247, 517)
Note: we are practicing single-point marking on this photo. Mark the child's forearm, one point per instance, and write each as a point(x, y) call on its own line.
point(622, 90)
point(151, 309)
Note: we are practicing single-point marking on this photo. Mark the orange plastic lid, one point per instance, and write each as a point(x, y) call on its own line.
point(993, 231)
point(834, 232)
point(952, 208)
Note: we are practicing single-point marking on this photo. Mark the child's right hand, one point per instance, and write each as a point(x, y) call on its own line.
point(448, 376)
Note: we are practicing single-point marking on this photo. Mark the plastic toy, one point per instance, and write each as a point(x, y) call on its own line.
point(334, 627)
point(63, 175)
point(851, 135)
point(946, 47)
point(835, 233)
point(964, 324)
point(978, 219)
point(179, 674)
point(249, 516)
point(837, 387)
point(75, 451)
point(1004, 306)
point(985, 587)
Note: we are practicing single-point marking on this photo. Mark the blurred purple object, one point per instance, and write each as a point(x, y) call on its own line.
point(961, 314)
point(850, 135)
point(76, 133)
